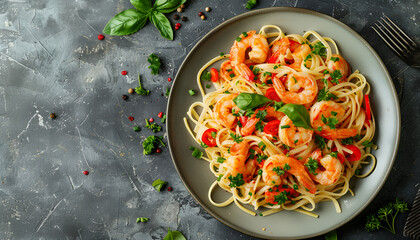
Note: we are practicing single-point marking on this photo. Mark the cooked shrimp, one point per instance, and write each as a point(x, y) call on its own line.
point(237, 163)
point(331, 169)
point(299, 55)
point(258, 54)
point(322, 113)
point(301, 88)
point(294, 136)
point(337, 62)
point(296, 168)
point(226, 69)
point(249, 127)
point(223, 111)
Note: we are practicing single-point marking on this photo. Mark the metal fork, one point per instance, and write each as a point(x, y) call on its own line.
point(398, 41)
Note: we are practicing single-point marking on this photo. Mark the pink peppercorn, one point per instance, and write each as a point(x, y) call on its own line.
point(124, 73)
point(86, 172)
point(169, 189)
point(100, 36)
point(200, 14)
point(169, 79)
point(151, 120)
point(130, 118)
point(158, 150)
point(160, 114)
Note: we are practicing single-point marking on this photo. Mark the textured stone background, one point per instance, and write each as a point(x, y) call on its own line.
point(51, 61)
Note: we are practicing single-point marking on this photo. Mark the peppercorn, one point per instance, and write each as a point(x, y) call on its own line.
point(184, 19)
point(85, 172)
point(169, 189)
point(175, 17)
point(208, 9)
point(130, 90)
point(53, 115)
point(179, 10)
point(160, 114)
point(200, 14)
point(100, 36)
point(151, 119)
point(124, 97)
point(158, 150)
point(169, 79)
point(203, 17)
point(182, 6)
point(123, 72)
point(130, 118)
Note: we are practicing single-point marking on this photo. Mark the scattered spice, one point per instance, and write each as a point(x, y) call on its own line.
point(169, 79)
point(182, 6)
point(151, 119)
point(124, 73)
point(203, 17)
point(85, 172)
point(179, 10)
point(263, 229)
point(208, 9)
point(158, 150)
point(184, 19)
point(100, 36)
point(177, 26)
point(124, 97)
point(200, 14)
point(136, 128)
point(53, 115)
point(169, 189)
point(130, 118)
point(130, 90)
point(160, 114)
point(175, 16)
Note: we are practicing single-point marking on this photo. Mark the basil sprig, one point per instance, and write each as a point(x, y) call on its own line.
point(131, 20)
point(249, 101)
point(298, 114)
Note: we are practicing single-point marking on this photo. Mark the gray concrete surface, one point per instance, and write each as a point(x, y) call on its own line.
point(51, 61)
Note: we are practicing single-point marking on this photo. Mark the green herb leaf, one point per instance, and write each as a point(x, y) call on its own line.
point(163, 118)
point(142, 5)
point(167, 6)
point(162, 24)
point(249, 101)
point(331, 235)
point(320, 141)
point(334, 59)
point(174, 235)
point(191, 92)
point(221, 159)
point(281, 198)
point(142, 219)
point(126, 22)
point(312, 165)
point(153, 126)
point(251, 4)
point(158, 184)
point(367, 143)
point(140, 90)
point(168, 91)
point(298, 114)
point(196, 153)
point(206, 75)
point(325, 95)
point(151, 143)
point(154, 63)
point(279, 171)
point(236, 181)
point(319, 49)
point(336, 75)
point(236, 138)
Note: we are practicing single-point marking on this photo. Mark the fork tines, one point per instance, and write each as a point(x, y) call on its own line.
point(394, 37)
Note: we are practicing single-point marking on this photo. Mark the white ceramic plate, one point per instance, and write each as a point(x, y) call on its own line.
point(195, 173)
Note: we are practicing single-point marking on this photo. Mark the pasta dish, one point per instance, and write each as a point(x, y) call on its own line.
point(287, 123)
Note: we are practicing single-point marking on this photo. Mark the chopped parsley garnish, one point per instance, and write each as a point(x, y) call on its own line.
point(261, 157)
point(250, 193)
point(219, 177)
point(142, 219)
point(196, 153)
point(262, 146)
point(208, 86)
point(309, 57)
point(163, 118)
point(256, 70)
point(334, 154)
point(236, 181)
point(281, 198)
point(236, 138)
point(334, 59)
point(367, 143)
point(251, 4)
point(154, 63)
point(191, 92)
point(325, 95)
point(278, 105)
point(284, 126)
point(267, 74)
point(319, 49)
point(259, 126)
point(203, 145)
point(222, 54)
point(245, 34)
point(167, 92)
point(279, 171)
point(286, 167)
point(336, 75)
point(330, 121)
point(295, 187)
point(151, 143)
point(140, 90)
point(260, 172)
point(221, 159)
point(232, 75)
point(158, 184)
point(238, 39)
point(320, 141)
point(153, 126)
point(261, 114)
point(348, 141)
point(326, 72)
point(312, 165)
point(205, 76)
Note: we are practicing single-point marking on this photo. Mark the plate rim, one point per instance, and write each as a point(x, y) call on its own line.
point(297, 10)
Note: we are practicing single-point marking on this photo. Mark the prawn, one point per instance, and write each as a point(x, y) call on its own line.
point(301, 88)
point(337, 62)
point(226, 70)
point(223, 111)
point(258, 54)
point(294, 136)
point(271, 114)
point(278, 163)
point(323, 115)
point(332, 168)
point(237, 164)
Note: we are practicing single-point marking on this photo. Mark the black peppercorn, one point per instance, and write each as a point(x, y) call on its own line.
point(175, 16)
point(124, 97)
point(53, 115)
point(184, 19)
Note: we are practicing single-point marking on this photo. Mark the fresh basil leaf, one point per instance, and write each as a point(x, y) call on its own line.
point(331, 235)
point(142, 5)
point(248, 101)
point(298, 114)
point(162, 24)
point(167, 6)
point(174, 235)
point(126, 22)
